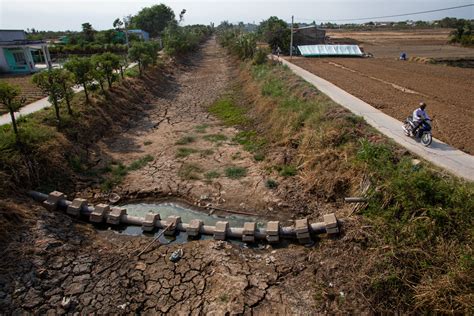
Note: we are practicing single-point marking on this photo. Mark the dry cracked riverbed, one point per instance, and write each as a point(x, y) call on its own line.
point(190, 149)
point(67, 266)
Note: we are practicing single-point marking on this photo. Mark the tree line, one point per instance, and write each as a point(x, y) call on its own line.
point(101, 70)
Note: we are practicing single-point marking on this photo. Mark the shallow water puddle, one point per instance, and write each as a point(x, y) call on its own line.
point(187, 214)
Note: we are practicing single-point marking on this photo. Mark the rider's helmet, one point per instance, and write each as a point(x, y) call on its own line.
point(422, 105)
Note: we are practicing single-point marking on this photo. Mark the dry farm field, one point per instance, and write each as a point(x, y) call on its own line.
point(396, 87)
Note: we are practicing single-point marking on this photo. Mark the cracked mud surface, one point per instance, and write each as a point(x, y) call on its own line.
point(180, 112)
point(69, 267)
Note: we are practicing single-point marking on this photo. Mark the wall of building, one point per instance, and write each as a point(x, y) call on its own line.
point(10, 63)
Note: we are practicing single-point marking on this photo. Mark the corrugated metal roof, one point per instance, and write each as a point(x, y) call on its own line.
point(330, 50)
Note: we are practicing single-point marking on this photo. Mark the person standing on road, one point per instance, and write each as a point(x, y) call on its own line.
point(278, 51)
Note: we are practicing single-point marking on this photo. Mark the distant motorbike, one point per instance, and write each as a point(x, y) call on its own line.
point(423, 132)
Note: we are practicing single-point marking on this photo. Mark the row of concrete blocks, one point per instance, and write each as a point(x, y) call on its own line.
point(113, 215)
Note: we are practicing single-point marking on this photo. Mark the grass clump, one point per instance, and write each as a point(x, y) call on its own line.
point(188, 139)
point(117, 172)
point(207, 152)
point(271, 184)
point(185, 152)
point(250, 140)
point(235, 172)
point(140, 163)
point(147, 142)
point(201, 128)
point(215, 138)
point(212, 175)
point(286, 170)
point(190, 171)
point(228, 112)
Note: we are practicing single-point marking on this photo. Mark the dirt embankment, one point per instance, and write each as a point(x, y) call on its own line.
point(397, 87)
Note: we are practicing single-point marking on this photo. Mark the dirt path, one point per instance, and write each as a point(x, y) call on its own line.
point(191, 150)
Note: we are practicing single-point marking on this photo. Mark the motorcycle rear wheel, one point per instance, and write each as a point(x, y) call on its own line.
point(407, 129)
point(426, 139)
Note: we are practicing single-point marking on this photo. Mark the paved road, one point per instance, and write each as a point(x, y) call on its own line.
point(439, 153)
point(37, 105)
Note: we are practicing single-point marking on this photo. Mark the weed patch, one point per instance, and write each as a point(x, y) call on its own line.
point(228, 112)
point(190, 171)
point(118, 171)
point(201, 128)
point(212, 174)
point(188, 139)
point(185, 151)
point(235, 172)
point(250, 140)
point(215, 138)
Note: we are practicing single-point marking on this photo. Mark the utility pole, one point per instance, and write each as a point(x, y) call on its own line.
point(291, 38)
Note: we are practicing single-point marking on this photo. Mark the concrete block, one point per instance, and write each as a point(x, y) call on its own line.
point(99, 213)
point(302, 231)
point(301, 225)
point(273, 239)
point(174, 221)
point(334, 230)
point(150, 221)
point(273, 231)
point(194, 228)
point(330, 220)
point(115, 215)
point(221, 230)
point(51, 203)
point(76, 206)
point(248, 233)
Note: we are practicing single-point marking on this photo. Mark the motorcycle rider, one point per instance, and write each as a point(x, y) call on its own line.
point(419, 116)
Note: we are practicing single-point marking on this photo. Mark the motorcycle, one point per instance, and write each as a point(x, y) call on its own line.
point(423, 132)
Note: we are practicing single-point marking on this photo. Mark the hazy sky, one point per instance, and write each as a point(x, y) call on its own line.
point(70, 14)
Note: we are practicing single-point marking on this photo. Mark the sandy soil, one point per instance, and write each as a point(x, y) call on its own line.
point(420, 43)
point(397, 87)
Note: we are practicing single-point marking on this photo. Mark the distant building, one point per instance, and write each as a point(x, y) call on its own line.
point(309, 35)
point(16, 52)
point(141, 34)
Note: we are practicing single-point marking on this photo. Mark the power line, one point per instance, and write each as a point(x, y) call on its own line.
point(395, 15)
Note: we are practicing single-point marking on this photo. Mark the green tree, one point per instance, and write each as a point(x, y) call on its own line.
point(107, 63)
point(276, 33)
point(144, 53)
point(154, 19)
point(82, 69)
point(49, 82)
point(88, 32)
point(66, 81)
point(9, 97)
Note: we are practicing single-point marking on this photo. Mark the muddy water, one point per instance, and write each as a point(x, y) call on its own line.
point(187, 214)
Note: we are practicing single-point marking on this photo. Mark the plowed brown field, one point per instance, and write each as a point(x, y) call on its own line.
point(396, 88)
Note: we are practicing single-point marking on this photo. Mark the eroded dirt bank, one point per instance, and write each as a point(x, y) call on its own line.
point(54, 264)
